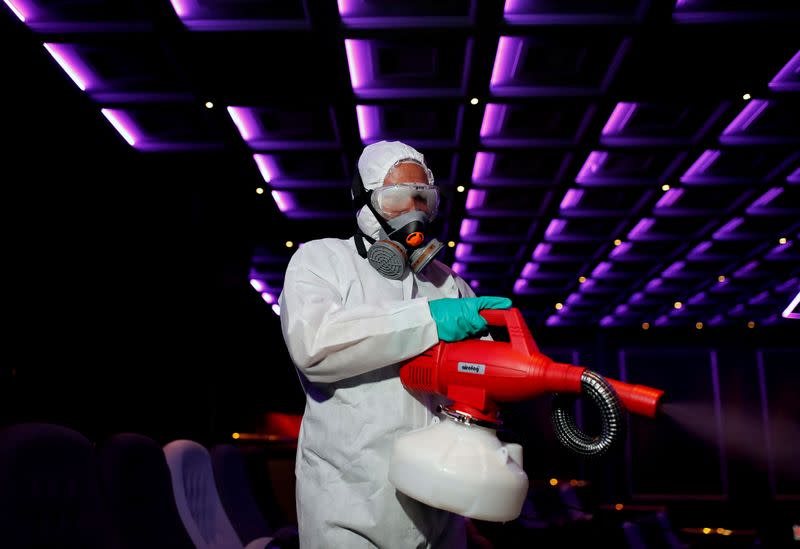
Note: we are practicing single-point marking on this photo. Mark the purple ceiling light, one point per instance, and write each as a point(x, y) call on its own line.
point(697, 299)
point(200, 15)
point(779, 250)
point(19, 11)
point(369, 122)
point(767, 197)
point(494, 117)
point(553, 320)
point(268, 166)
point(468, 228)
point(619, 119)
point(764, 200)
point(475, 283)
point(536, 12)
point(621, 250)
point(124, 124)
point(258, 134)
point(484, 161)
point(347, 9)
point(181, 7)
point(724, 232)
point(93, 73)
point(371, 79)
point(703, 12)
point(722, 283)
point(268, 297)
point(459, 268)
point(586, 286)
point(592, 165)
point(258, 285)
point(529, 269)
point(506, 79)
point(638, 297)
point(622, 309)
point(749, 114)
point(746, 269)
point(571, 199)
point(717, 320)
point(794, 177)
point(276, 309)
point(669, 198)
point(674, 269)
point(509, 52)
point(771, 319)
point(793, 310)
point(284, 201)
point(641, 228)
point(738, 310)
point(788, 79)
point(607, 320)
point(66, 56)
point(520, 285)
point(131, 124)
point(475, 199)
point(359, 59)
point(602, 268)
point(370, 14)
point(700, 167)
point(737, 131)
point(699, 250)
point(654, 284)
point(541, 250)
point(245, 121)
point(788, 287)
point(555, 228)
point(619, 131)
point(626, 167)
point(48, 17)
point(463, 251)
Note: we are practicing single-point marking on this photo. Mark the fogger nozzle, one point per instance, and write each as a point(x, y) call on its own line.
point(638, 399)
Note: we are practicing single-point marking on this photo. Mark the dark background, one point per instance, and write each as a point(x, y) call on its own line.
point(127, 305)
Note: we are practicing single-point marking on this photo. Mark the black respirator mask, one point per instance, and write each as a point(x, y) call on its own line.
point(403, 240)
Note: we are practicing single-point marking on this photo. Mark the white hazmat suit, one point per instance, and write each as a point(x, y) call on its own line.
point(347, 329)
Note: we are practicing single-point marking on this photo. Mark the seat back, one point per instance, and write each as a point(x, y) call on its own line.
point(137, 489)
point(196, 496)
point(233, 485)
point(49, 490)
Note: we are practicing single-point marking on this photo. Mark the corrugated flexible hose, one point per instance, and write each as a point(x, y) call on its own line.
point(612, 424)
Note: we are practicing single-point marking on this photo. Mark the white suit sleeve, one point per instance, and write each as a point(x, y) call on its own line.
point(329, 342)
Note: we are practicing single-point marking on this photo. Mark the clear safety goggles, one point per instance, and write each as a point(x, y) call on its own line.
point(394, 200)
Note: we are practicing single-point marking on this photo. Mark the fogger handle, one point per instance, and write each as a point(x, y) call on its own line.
point(518, 333)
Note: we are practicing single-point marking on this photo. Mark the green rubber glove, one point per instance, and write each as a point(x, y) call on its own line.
point(457, 319)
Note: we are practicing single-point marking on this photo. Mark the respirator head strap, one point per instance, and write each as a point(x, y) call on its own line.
point(363, 197)
point(359, 238)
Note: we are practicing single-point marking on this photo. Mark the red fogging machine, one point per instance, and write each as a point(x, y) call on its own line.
point(458, 463)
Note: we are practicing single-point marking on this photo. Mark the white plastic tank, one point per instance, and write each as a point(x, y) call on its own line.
point(462, 468)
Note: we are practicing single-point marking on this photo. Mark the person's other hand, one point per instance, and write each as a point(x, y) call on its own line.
point(457, 319)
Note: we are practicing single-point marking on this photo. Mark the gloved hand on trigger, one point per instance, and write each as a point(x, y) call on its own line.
point(457, 319)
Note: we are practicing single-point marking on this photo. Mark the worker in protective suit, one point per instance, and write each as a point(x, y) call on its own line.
point(351, 311)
